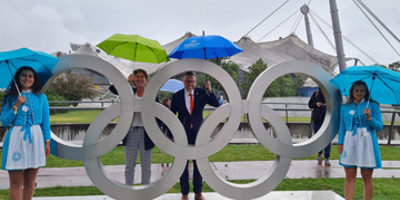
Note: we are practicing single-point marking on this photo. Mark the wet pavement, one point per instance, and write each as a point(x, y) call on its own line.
point(278, 195)
point(76, 176)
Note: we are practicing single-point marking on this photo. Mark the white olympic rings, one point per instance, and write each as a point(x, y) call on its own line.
point(92, 148)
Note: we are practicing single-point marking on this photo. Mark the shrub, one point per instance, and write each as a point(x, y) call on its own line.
point(73, 87)
point(163, 94)
point(53, 96)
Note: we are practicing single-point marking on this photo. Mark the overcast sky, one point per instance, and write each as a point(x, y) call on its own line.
point(50, 25)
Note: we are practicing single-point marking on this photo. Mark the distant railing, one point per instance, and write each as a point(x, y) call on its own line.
point(286, 108)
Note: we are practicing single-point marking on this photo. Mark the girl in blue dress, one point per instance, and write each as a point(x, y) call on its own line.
point(27, 143)
point(358, 146)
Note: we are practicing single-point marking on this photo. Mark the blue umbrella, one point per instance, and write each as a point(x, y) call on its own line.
point(172, 85)
point(205, 47)
point(383, 84)
point(11, 61)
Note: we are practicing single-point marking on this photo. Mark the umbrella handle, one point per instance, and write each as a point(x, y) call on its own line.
point(16, 86)
point(15, 82)
point(372, 84)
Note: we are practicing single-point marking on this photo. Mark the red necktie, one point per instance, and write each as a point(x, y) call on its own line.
point(191, 103)
point(191, 107)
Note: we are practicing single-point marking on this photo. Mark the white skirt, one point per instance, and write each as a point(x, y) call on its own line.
point(358, 149)
point(22, 154)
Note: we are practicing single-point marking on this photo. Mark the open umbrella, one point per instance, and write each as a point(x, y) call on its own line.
point(135, 48)
point(383, 84)
point(205, 47)
point(11, 61)
point(172, 85)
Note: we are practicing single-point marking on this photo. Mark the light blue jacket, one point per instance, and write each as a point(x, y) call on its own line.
point(38, 104)
point(346, 119)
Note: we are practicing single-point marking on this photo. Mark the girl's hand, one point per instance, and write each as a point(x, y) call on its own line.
point(20, 100)
point(340, 148)
point(47, 149)
point(367, 112)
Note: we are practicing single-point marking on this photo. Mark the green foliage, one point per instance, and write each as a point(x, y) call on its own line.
point(53, 96)
point(230, 67)
point(2, 94)
point(73, 86)
point(254, 70)
point(164, 94)
point(284, 86)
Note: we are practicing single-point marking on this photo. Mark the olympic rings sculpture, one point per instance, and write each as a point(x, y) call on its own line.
point(92, 147)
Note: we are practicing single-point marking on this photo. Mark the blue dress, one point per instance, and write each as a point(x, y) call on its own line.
point(24, 143)
point(358, 136)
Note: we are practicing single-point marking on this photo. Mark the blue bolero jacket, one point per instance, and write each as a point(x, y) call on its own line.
point(346, 119)
point(38, 104)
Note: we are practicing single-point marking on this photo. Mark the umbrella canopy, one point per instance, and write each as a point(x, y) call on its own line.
point(205, 47)
point(172, 85)
point(383, 84)
point(135, 48)
point(11, 61)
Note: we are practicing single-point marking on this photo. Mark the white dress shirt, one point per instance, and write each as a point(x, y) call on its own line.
point(187, 99)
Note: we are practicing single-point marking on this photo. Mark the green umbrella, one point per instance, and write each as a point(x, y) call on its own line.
point(135, 48)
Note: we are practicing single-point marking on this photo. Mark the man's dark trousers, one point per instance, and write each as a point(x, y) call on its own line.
point(197, 179)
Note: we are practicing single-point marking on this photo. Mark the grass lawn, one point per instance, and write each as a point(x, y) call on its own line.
point(230, 153)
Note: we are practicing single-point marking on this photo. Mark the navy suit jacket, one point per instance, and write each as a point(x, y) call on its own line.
point(201, 98)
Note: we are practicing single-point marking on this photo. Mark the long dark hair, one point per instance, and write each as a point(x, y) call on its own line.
point(366, 97)
point(12, 91)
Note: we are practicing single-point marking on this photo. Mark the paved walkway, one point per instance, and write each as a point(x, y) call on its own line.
point(76, 176)
point(278, 195)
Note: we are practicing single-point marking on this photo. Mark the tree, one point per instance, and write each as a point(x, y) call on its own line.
point(230, 67)
point(284, 86)
point(73, 86)
point(53, 96)
point(254, 71)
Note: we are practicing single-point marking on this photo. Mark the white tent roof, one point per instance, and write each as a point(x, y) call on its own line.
point(252, 52)
point(171, 45)
point(272, 52)
point(125, 66)
point(293, 48)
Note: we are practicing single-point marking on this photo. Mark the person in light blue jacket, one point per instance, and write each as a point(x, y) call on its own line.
point(27, 142)
point(358, 146)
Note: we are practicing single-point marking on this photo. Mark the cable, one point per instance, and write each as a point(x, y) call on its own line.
point(345, 38)
point(278, 25)
point(377, 19)
point(266, 18)
point(296, 24)
point(323, 33)
point(365, 14)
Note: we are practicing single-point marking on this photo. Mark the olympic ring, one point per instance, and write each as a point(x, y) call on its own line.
point(92, 148)
point(181, 148)
point(69, 151)
point(330, 125)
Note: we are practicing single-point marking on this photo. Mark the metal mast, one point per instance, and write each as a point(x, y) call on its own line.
point(305, 9)
point(338, 35)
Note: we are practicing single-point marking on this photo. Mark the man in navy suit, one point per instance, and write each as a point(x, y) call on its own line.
point(189, 104)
